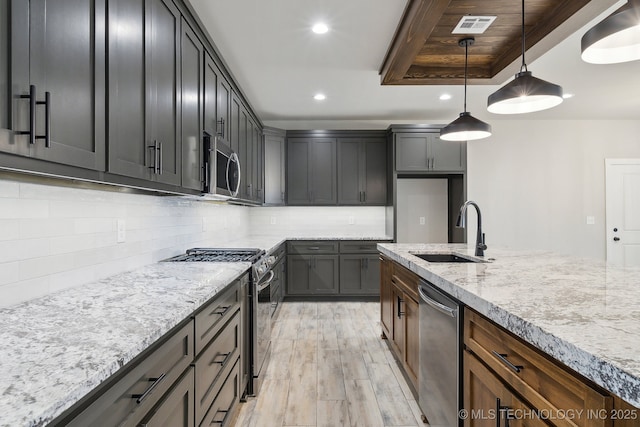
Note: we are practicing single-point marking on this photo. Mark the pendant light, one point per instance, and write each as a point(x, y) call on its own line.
point(616, 39)
point(466, 127)
point(525, 93)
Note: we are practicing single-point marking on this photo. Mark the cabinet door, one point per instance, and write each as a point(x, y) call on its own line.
point(447, 155)
point(488, 402)
point(397, 329)
point(128, 151)
point(298, 153)
point(224, 106)
point(324, 277)
point(386, 298)
point(246, 148)
point(163, 67)
point(298, 269)
point(210, 114)
point(323, 171)
point(374, 172)
point(237, 130)
point(351, 274)
point(274, 170)
point(68, 61)
point(5, 72)
point(350, 189)
point(412, 152)
point(412, 337)
point(192, 68)
point(176, 408)
point(258, 156)
point(371, 275)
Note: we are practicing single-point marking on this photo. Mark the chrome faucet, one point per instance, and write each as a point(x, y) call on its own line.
point(461, 223)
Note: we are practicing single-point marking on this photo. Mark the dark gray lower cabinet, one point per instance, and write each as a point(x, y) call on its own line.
point(191, 375)
point(359, 274)
point(312, 274)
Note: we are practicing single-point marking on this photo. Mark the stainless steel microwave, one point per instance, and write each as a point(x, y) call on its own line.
point(222, 168)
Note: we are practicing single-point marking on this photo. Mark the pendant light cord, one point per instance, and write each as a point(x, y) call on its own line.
point(466, 59)
point(523, 67)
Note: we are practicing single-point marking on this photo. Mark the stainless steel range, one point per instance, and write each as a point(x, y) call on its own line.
point(257, 329)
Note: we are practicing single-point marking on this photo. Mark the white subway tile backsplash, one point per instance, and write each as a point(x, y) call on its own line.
point(9, 273)
point(9, 189)
point(9, 229)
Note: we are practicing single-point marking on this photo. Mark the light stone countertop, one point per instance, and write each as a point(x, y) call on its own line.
point(57, 348)
point(582, 312)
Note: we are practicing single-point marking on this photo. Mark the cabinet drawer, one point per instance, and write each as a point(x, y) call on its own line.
point(406, 279)
point(176, 408)
point(221, 411)
point(358, 247)
point(133, 396)
point(542, 382)
point(215, 314)
point(213, 365)
point(312, 247)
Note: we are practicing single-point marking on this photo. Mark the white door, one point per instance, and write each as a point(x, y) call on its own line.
point(623, 211)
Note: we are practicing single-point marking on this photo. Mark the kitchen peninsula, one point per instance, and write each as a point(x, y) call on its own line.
point(581, 312)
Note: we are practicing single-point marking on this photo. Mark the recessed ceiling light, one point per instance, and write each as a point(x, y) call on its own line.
point(319, 97)
point(320, 28)
point(445, 97)
point(567, 95)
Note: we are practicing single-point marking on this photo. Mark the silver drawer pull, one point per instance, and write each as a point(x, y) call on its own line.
point(314, 248)
point(221, 310)
point(140, 397)
point(221, 362)
point(503, 358)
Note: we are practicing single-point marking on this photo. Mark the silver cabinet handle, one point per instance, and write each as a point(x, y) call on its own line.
point(220, 362)
point(155, 381)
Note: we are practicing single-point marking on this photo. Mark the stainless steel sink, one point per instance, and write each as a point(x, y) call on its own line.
point(445, 258)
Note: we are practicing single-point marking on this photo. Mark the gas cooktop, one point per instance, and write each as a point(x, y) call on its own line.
point(219, 255)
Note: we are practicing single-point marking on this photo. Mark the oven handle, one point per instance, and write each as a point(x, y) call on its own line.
point(264, 284)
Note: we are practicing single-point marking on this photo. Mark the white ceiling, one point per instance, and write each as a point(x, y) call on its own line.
point(280, 64)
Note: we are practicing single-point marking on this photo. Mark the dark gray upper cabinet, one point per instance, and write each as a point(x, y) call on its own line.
point(274, 168)
point(144, 89)
point(362, 171)
point(311, 171)
point(426, 152)
point(192, 68)
point(258, 161)
point(62, 60)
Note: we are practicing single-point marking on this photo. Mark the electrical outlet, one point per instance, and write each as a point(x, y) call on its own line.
point(273, 220)
point(121, 225)
point(422, 220)
point(352, 220)
point(591, 220)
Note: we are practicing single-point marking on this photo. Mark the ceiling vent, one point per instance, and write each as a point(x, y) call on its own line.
point(473, 24)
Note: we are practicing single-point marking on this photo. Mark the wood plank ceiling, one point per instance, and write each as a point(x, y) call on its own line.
point(425, 52)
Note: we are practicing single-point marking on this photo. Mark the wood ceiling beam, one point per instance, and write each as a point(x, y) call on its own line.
point(419, 20)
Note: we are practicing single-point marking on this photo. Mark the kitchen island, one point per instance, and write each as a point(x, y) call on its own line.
point(581, 312)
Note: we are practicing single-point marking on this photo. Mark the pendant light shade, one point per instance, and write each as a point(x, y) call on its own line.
point(466, 127)
point(525, 93)
point(616, 39)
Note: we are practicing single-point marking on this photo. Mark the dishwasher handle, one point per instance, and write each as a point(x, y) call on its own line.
point(452, 312)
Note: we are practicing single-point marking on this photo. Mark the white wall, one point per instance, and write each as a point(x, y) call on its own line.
point(54, 237)
point(319, 221)
point(422, 198)
point(537, 181)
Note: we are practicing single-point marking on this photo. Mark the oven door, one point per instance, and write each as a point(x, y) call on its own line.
point(262, 329)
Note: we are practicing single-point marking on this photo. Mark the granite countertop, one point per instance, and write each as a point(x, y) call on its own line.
point(57, 348)
point(582, 312)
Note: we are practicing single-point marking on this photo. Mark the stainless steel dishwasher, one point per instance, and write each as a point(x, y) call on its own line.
point(439, 375)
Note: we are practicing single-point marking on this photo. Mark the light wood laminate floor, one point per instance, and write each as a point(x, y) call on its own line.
point(329, 367)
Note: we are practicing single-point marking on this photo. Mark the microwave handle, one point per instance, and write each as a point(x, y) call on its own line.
point(232, 157)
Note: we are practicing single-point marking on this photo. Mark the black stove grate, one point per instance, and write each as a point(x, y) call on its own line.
point(219, 255)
